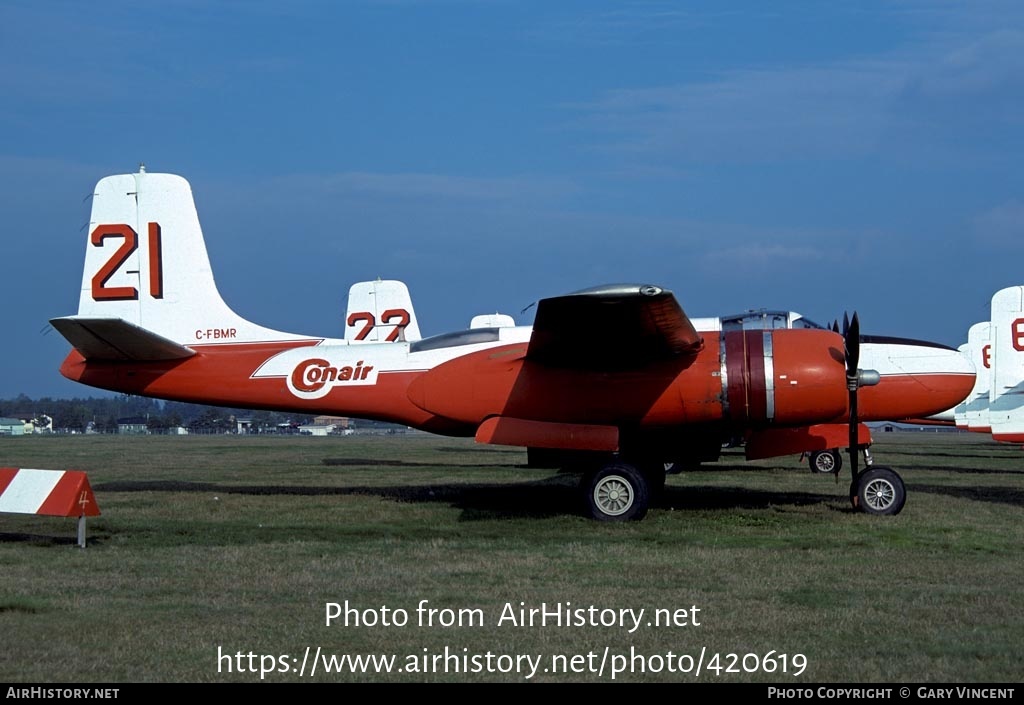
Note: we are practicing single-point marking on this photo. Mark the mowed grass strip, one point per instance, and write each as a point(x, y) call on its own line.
point(222, 545)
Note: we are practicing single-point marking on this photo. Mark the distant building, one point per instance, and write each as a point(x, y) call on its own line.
point(26, 418)
point(133, 425)
point(12, 427)
point(339, 422)
point(326, 426)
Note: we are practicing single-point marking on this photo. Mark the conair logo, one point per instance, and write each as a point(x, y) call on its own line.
point(315, 378)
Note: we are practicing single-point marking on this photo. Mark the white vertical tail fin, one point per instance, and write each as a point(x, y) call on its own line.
point(380, 312)
point(960, 410)
point(146, 265)
point(972, 413)
point(1006, 391)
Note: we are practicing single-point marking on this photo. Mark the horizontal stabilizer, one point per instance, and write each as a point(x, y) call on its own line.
point(117, 339)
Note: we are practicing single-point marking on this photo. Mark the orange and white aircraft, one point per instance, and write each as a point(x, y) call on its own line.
point(151, 322)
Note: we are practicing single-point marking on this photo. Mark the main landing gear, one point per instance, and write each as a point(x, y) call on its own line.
point(826, 461)
point(620, 491)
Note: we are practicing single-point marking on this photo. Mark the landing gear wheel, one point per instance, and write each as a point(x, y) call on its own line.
point(617, 492)
point(826, 461)
point(878, 491)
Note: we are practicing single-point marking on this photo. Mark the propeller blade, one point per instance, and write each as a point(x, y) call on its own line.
point(853, 346)
point(851, 333)
point(853, 433)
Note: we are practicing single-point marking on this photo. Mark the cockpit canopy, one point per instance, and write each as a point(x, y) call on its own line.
point(764, 319)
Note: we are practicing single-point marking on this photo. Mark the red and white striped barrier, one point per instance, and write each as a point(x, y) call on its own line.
point(56, 493)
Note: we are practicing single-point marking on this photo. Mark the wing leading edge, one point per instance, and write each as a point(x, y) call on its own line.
point(613, 327)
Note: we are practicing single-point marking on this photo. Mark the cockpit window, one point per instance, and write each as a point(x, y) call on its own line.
point(763, 319)
point(757, 320)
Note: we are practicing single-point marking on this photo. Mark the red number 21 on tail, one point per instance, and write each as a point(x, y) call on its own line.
point(100, 290)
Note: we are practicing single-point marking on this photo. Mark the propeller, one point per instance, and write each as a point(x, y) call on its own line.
point(851, 335)
point(855, 379)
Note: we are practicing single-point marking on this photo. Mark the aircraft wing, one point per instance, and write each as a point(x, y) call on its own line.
point(117, 339)
point(614, 327)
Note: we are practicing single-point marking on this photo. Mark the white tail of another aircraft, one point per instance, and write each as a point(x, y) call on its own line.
point(147, 289)
point(972, 413)
point(380, 312)
point(1006, 391)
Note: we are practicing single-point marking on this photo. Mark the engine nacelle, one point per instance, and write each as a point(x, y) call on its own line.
point(783, 377)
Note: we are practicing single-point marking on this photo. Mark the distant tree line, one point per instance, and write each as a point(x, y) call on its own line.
point(102, 414)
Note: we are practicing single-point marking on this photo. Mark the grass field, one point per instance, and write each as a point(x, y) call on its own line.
point(210, 547)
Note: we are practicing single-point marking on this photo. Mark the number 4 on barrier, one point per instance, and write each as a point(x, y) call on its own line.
point(59, 493)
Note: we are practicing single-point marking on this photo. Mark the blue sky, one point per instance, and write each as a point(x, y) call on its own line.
point(819, 157)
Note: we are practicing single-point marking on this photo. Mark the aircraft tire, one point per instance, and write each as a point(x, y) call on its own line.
point(826, 461)
point(617, 492)
point(879, 491)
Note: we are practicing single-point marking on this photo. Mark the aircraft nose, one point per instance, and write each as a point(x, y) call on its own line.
point(906, 356)
point(918, 378)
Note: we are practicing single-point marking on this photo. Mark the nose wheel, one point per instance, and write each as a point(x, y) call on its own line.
point(878, 490)
point(873, 490)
